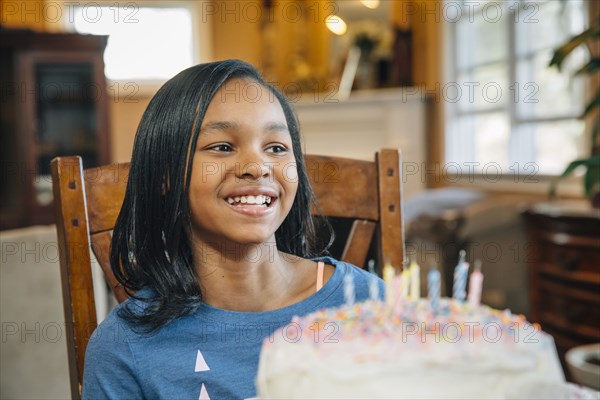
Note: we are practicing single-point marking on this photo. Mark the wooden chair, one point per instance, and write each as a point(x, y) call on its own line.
point(87, 204)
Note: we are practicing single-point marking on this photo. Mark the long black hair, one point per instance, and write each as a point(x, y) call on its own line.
point(150, 247)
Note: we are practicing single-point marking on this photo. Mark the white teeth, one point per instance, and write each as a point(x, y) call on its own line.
point(250, 199)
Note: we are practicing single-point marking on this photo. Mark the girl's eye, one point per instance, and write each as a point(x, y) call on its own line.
point(276, 148)
point(221, 147)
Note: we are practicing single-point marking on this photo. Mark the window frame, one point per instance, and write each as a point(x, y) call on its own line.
point(512, 180)
point(202, 48)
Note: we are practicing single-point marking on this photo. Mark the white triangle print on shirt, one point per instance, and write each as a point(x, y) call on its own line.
point(203, 394)
point(200, 363)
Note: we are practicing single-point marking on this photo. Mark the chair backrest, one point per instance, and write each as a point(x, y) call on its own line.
point(87, 204)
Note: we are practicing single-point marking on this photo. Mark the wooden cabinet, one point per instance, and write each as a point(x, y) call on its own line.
point(53, 102)
point(564, 260)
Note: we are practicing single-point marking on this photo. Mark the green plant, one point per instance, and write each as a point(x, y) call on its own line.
point(591, 179)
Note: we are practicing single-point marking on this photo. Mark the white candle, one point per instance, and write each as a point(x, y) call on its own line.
point(415, 280)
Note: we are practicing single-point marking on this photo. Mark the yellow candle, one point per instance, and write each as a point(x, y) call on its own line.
point(388, 278)
point(388, 273)
point(405, 288)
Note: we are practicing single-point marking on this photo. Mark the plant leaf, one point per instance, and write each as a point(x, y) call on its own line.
point(592, 176)
point(563, 51)
point(572, 165)
point(589, 68)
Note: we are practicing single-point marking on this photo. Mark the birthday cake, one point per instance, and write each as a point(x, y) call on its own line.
point(409, 350)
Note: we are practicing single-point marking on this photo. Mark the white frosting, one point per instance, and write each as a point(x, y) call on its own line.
point(368, 351)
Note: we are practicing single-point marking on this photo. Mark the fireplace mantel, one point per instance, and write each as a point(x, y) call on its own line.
point(366, 122)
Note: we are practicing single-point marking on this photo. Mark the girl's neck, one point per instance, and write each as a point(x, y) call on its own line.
point(250, 277)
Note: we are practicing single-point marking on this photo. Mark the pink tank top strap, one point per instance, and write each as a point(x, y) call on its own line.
point(320, 270)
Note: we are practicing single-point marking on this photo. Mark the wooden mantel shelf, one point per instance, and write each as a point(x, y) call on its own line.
point(367, 121)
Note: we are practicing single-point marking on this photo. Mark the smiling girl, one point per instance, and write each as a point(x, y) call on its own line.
point(215, 242)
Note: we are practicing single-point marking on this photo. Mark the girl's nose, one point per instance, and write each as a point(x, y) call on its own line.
point(254, 168)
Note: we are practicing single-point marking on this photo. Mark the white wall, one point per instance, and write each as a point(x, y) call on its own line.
point(367, 122)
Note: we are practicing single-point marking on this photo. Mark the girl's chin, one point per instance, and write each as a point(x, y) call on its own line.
point(255, 240)
point(249, 239)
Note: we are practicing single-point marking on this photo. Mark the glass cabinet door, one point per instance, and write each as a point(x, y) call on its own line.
point(52, 103)
point(66, 119)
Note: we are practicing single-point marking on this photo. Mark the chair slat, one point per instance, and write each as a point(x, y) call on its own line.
point(358, 242)
point(105, 191)
point(75, 262)
point(101, 249)
point(390, 173)
point(344, 188)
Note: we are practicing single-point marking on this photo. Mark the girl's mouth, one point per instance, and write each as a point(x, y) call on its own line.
point(250, 200)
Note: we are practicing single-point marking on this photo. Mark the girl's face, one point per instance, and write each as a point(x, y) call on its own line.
point(244, 176)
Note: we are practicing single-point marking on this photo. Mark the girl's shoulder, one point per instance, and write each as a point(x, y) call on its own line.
point(343, 269)
point(346, 268)
point(364, 284)
point(115, 322)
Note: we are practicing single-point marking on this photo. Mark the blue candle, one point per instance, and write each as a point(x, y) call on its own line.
point(434, 288)
point(348, 289)
point(373, 289)
point(461, 272)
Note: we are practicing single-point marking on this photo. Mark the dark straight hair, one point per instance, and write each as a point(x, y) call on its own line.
point(150, 247)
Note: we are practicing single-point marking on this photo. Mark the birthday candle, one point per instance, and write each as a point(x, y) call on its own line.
point(434, 288)
point(475, 285)
point(460, 278)
point(405, 283)
point(373, 289)
point(348, 289)
point(397, 303)
point(415, 280)
point(388, 273)
point(388, 278)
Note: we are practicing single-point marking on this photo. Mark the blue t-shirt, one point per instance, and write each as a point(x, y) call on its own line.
point(211, 353)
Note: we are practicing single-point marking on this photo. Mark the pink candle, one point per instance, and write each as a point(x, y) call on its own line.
point(398, 299)
point(405, 287)
point(475, 285)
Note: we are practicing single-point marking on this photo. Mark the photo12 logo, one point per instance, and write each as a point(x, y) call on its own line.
point(27, 11)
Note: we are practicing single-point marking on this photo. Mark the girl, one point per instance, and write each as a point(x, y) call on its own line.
point(215, 238)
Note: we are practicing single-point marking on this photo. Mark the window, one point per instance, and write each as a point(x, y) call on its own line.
point(148, 41)
point(505, 109)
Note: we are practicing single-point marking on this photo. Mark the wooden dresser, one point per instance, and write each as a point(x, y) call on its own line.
point(564, 272)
